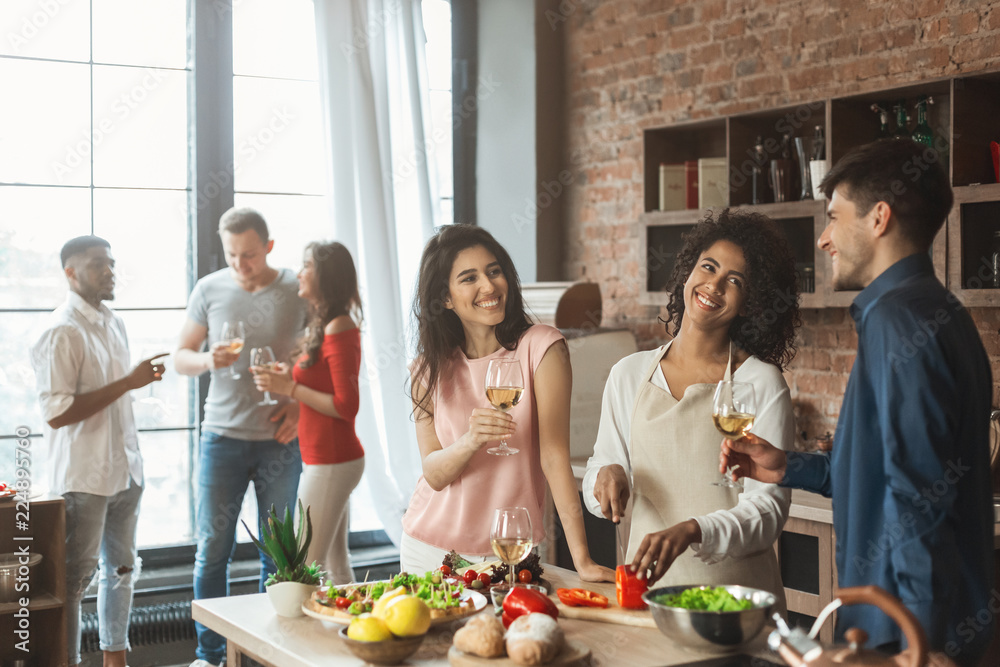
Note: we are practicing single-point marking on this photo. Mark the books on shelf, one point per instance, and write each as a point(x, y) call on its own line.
point(694, 184)
point(672, 187)
point(713, 183)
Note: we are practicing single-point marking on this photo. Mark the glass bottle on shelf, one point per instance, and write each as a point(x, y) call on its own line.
point(995, 260)
point(883, 117)
point(902, 120)
point(922, 133)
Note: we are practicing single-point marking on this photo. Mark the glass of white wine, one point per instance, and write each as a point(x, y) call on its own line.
point(264, 358)
point(734, 409)
point(235, 334)
point(504, 387)
point(511, 536)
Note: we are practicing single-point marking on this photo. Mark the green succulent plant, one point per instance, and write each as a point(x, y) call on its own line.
point(288, 547)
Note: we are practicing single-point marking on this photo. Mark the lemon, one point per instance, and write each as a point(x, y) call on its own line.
point(407, 616)
point(368, 629)
point(379, 607)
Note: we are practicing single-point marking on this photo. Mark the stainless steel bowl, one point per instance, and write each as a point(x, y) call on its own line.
point(715, 631)
point(10, 565)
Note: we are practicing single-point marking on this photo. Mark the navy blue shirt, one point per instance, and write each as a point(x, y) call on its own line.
point(909, 474)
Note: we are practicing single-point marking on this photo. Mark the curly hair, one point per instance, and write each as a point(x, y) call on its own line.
point(337, 281)
point(439, 329)
point(767, 331)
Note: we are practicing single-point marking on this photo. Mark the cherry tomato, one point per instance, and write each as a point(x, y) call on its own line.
point(469, 577)
point(524, 576)
point(342, 602)
point(485, 578)
point(445, 570)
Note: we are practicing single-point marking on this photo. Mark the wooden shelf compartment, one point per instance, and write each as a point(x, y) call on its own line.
point(973, 220)
point(770, 125)
point(976, 108)
point(677, 144)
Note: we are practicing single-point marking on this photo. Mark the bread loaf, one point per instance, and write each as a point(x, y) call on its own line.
point(482, 636)
point(534, 639)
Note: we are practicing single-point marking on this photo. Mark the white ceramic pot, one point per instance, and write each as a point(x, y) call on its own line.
point(287, 597)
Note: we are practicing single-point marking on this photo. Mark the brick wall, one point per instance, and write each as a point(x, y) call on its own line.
point(636, 64)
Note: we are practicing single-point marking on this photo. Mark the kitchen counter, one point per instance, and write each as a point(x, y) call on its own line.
point(253, 629)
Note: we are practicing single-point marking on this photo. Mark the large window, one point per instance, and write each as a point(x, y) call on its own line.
point(99, 141)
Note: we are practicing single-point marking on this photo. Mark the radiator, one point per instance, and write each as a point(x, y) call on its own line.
point(156, 624)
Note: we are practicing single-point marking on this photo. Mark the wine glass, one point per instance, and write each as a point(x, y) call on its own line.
point(264, 358)
point(733, 410)
point(511, 536)
point(235, 334)
point(503, 389)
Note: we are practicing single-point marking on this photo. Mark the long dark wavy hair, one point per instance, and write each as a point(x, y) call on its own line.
point(338, 291)
point(767, 331)
point(439, 330)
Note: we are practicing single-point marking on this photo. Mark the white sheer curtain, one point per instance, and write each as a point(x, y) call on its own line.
point(372, 75)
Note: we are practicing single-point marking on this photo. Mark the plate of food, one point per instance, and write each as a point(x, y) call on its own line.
point(447, 598)
point(6, 491)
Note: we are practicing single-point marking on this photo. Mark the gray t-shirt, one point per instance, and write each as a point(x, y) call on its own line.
point(274, 316)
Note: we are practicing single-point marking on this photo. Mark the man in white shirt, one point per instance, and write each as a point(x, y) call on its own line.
point(81, 364)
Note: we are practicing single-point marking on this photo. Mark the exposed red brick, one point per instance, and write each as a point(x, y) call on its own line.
point(965, 24)
point(978, 49)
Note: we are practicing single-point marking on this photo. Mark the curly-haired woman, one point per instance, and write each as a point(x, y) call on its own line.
point(324, 381)
point(733, 303)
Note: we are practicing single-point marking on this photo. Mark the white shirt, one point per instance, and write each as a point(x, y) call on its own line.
point(82, 350)
point(757, 519)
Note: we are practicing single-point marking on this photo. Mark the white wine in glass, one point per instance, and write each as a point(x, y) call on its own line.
point(734, 409)
point(511, 536)
point(503, 390)
point(234, 333)
point(264, 358)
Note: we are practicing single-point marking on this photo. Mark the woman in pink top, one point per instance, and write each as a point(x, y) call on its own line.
point(469, 310)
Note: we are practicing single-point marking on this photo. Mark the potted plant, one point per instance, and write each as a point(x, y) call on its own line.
point(293, 580)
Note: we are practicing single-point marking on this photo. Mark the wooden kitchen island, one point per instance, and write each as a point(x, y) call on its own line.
point(253, 629)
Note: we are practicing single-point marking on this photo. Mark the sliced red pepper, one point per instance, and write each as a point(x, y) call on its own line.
point(581, 597)
point(629, 588)
point(521, 601)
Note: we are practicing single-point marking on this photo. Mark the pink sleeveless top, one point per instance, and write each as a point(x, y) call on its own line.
point(459, 516)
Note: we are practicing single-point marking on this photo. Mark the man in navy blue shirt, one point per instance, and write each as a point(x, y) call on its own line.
point(909, 474)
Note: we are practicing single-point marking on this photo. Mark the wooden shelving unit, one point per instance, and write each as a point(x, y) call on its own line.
point(963, 118)
point(47, 597)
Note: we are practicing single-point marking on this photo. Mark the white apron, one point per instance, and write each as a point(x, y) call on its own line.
point(675, 459)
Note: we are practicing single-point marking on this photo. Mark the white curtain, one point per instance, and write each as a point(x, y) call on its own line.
point(372, 85)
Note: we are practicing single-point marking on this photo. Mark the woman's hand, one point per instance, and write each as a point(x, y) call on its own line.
point(591, 571)
point(277, 380)
point(486, 425)
point(659, 550)
point(612, 490)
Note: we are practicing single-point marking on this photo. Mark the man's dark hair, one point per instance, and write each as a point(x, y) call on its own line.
point(906, 175)
point(81, 244)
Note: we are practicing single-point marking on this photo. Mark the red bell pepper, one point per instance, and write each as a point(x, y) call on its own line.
point(581, 597)
point(521, 601)
point(629, 588)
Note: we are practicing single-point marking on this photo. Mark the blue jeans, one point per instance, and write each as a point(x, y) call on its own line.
point(101, 530)
point(225, 467)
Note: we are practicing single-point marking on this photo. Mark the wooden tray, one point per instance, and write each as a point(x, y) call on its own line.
point(574, 654)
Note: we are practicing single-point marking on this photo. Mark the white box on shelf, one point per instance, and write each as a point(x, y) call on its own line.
point(672, 187)
point(713, 182)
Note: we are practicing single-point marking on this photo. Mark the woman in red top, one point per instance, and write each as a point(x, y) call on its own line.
point(325, 382)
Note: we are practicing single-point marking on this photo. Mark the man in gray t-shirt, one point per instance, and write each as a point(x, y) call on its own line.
point(242, 442)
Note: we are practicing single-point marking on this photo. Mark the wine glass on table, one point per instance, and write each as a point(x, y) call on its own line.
point(504, 387)
point(234, 333)
point(734, 409)
point(511, 536)
point(263, 357)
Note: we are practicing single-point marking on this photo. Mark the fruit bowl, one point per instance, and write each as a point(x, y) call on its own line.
point(713, 631)
point(389, 652)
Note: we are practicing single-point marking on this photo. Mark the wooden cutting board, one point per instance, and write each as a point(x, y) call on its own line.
point(574, 654)
point(611, 614)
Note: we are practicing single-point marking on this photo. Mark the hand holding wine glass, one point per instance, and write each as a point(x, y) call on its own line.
point(504, 387)
point(734, 409)
point(263, 357)
point(234, 333)
point(511, 536)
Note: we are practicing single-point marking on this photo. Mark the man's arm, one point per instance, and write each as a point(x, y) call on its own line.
point(190, 360)
point(90, 403)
